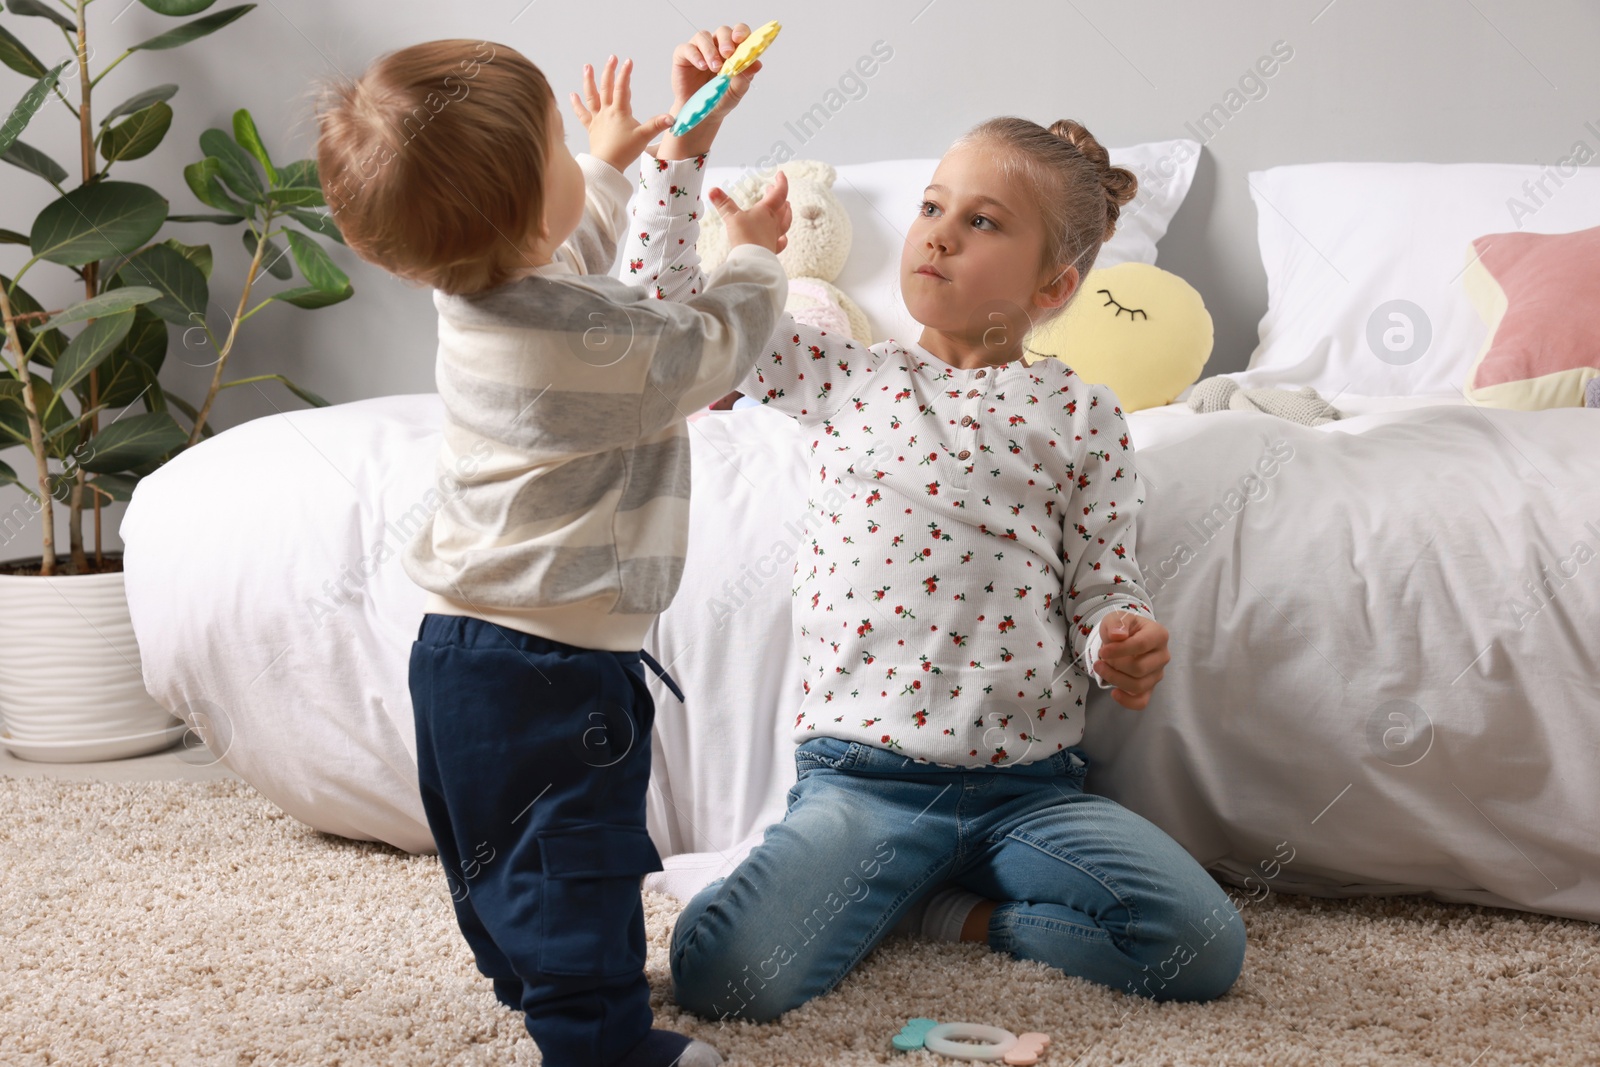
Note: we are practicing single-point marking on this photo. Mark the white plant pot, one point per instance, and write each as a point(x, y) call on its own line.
point(71, 688)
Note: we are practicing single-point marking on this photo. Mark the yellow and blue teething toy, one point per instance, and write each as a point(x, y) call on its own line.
point(698, 106)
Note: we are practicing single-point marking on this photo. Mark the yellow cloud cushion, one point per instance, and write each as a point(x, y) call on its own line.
point(1141, 330)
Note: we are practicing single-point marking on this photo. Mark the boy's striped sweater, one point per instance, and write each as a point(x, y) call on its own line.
point(563, 472)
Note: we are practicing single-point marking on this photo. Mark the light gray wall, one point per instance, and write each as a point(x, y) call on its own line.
point(1428, 80)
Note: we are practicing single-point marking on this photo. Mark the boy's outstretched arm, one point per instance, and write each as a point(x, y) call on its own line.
point(709, 340)
point(615, 141)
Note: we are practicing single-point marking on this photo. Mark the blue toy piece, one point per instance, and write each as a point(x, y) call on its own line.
point(706, 98)
point(911, 1034)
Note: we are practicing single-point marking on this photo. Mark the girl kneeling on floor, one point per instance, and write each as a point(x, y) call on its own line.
point(967, 563)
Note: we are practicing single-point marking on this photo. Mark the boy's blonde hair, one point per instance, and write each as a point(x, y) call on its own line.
point(1079, 193)
point(433, 161)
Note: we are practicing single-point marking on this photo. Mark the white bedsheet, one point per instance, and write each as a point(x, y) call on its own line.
point(1382, 561)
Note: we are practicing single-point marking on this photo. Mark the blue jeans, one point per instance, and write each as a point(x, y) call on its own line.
point(1084, 884)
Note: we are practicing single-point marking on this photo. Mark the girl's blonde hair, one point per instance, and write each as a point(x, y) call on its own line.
point(1079, 193)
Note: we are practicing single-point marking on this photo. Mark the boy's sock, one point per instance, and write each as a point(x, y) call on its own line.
point(663, 1048)
point(940, 915)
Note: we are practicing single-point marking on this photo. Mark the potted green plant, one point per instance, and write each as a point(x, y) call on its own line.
point(81, 388)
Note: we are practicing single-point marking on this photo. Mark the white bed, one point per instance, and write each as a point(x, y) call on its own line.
point(1354, 704)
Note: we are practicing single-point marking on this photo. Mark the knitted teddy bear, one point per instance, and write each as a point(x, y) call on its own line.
point(819, 244)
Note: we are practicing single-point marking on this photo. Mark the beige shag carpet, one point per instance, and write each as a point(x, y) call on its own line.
point(195, 923)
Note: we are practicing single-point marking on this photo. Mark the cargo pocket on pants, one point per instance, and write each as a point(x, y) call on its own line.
point(590, 912)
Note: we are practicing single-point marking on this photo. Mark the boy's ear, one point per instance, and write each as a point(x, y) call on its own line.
point(538, 228)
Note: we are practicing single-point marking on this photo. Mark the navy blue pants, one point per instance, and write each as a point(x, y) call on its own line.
point(533, 758)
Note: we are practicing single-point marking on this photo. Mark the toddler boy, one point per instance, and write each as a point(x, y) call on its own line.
point(563, 505)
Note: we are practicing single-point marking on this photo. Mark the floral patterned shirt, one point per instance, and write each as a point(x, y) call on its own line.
point(965, 534)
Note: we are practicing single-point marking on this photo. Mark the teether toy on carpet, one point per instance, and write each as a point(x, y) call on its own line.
point(971, 1041)
point(698, 106)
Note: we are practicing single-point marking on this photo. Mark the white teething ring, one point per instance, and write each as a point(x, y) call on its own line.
point(999, 1041)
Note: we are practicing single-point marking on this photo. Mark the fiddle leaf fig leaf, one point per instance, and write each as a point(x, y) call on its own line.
point(34, 161)
point(274, 259)
point(133, 441)
point(179, 8)
point(245, 132)
point(319, 270)
point(42, 10)
point(193, 31)
point(97, 221)
point(29, 106)
point(235, 166)
point(15, 54)
point(86, 351)
point(138, 136)
point(159, 95)
point(204, 180)
point(311, 298)
point(180, 285)
point(111, 303)
point(317, 222)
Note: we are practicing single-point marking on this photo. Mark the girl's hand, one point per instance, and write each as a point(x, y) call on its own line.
point(764, 223)
point(614, 134)
point(1133, 651)
point(694, 63)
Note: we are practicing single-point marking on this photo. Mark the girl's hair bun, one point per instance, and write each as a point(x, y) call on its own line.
point(1119, 183)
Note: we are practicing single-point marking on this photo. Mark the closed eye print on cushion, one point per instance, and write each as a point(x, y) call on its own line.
point(1110, 300)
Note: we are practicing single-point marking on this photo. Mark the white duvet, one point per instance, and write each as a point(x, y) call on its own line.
point(1383, 672)
point(1386, 660)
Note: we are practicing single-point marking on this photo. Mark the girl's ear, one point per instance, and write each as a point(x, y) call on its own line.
point(1059, 290)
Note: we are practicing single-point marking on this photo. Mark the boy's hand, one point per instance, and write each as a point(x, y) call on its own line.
point(764, 223)
point(1133, 651)
point(694, 63)
point(614, 134)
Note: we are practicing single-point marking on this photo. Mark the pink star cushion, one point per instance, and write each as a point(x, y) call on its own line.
point(1536, 293)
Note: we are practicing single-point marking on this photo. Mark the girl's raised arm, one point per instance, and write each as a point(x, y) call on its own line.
point(807, 373)
point(804, 372)
point(659, 252)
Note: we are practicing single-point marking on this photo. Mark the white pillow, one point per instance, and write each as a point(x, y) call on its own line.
point(882, 199)
point(1364, 266)
point(272, 612)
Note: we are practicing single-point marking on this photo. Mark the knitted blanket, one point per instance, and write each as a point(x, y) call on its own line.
point(1303, 405)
